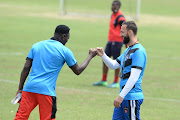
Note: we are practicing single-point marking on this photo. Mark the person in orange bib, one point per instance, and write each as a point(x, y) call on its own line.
point(114, 44)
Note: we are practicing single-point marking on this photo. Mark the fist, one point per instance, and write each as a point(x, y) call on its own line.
point(100, 51)
point(92, 52)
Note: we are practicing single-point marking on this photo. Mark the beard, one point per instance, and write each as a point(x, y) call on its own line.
point(126, 40)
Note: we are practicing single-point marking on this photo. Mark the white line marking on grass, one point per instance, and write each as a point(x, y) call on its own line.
point(166, 57)
point(8, 81)
point(146, 19)
point(107, 93)
point(12, 53)
point(163, 99)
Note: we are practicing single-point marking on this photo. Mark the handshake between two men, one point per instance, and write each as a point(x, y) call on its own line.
point(98, 51)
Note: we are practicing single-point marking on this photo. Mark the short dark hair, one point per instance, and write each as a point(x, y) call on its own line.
point(131, 25)
point(118, 2)
point(62, 29)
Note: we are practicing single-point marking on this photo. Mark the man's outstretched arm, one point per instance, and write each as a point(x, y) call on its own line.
point(112, 64)
point(78, 69)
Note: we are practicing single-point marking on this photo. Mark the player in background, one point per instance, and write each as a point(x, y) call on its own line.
point(45, 59)
point(114, 44)
point(132, 63)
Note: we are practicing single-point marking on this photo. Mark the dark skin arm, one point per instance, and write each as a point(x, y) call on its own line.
point(24, 74)
point(78, 69)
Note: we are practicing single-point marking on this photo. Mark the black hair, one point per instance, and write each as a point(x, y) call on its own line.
point(131, 25)
point(118, 2)
point(62, 29)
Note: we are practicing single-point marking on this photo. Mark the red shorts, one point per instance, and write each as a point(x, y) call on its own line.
point(47, 106)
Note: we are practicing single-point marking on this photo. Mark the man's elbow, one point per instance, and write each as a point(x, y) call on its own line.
point(77, 73)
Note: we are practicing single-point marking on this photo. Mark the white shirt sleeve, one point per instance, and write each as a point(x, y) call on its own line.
point(112, 64)
point(135, 73)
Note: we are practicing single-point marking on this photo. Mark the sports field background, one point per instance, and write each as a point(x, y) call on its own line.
point(23, 23)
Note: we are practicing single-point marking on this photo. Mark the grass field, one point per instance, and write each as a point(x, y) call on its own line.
point(23, 23)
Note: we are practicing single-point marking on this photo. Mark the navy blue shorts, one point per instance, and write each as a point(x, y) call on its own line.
point(129, 110)
point(113, 49)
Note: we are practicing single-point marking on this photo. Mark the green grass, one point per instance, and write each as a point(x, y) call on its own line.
point(161, 7)
point(77, 99)
point(158, 7)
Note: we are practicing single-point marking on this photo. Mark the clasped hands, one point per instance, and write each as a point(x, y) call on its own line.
point(98, 51)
